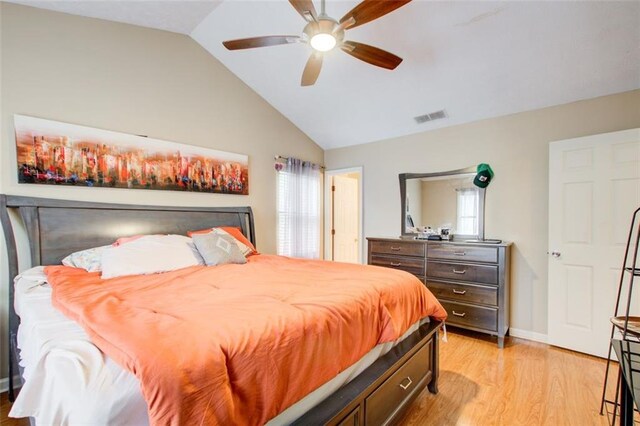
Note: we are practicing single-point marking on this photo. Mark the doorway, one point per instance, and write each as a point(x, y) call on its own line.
point(343, 213)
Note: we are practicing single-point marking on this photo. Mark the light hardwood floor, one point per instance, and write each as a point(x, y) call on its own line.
point(4, 412)
point(525, 383)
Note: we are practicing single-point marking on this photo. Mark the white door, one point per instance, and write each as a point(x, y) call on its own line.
point(594, 187)
point(345, 219)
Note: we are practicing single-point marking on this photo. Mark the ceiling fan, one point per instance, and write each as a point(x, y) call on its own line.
point(324, 33)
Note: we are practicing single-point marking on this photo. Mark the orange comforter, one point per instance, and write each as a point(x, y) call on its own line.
point(238, 344)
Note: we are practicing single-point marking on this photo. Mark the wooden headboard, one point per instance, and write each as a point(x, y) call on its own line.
point(57, 228)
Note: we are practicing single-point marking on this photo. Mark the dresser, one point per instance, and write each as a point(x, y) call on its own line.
point(471, 280)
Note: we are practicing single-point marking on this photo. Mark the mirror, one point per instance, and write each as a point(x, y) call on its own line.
point(447, 202)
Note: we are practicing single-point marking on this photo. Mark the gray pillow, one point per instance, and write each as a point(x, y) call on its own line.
point(217, 249)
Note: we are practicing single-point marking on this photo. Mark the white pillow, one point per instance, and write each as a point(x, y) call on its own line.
point(151, 254)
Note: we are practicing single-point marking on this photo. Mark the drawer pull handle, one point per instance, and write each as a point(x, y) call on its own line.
point(405, 387)
point(458, 314)
point(459, 253)
point(459, 291)
point(396, 264)
point(396, 248)
point(455, 271)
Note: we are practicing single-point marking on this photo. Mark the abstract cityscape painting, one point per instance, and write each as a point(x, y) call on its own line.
point(55, 153)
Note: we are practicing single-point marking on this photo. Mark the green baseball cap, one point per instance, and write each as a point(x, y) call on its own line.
point(484, 176)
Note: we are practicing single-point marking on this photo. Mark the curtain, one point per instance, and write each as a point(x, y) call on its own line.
point(299, 214)
point(468, 206)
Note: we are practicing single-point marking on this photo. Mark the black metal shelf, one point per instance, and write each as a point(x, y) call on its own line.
point(628, 327)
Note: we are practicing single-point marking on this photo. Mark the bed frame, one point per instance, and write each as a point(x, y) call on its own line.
point(56, 228)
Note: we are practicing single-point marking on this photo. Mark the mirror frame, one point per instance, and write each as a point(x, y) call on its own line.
point(403, 201)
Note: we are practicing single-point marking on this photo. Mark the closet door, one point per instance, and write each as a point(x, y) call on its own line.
point(594, 187)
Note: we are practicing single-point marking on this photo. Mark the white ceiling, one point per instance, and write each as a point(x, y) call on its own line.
point(476, 59)
point(178, 16)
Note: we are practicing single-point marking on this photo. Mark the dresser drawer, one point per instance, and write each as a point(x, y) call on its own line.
point(384, 401)
point(463, 253)
point(465, 292)
point(485, 274)
point(415, 265)
point(398, 247)
point(471, 316)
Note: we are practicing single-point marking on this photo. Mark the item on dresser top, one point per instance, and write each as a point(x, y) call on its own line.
point(425, 233)
point(445, 233)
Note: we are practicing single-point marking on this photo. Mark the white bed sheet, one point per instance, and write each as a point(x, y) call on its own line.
point(69, 381)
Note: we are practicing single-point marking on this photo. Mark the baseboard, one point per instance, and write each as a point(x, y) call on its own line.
point(528, 335)
point(4, 384)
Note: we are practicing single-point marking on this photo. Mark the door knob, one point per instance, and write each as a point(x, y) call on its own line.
point(556, 254)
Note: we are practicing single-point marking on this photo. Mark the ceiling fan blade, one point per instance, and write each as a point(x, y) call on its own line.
point(312, 69)
point(305, 8)
point(249, 43)
point(369, 10)
point(371, 55)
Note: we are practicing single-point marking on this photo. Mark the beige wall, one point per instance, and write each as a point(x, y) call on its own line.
point(139, 81)
point(516, 146)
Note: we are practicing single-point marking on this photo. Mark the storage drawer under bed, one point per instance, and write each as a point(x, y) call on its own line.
point(394, 392)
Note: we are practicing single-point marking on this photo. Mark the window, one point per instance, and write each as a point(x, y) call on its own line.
point(468, 205)
point(299, 213)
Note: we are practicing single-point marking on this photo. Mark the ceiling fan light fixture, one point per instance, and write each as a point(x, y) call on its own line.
point(323, 33)
point(323, 42)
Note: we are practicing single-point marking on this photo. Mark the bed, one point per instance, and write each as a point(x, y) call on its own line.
point(378, 394)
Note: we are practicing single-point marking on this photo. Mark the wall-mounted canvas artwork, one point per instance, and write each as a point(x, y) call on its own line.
point(54, 153)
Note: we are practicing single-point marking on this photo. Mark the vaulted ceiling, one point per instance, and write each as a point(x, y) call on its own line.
point(473, 59)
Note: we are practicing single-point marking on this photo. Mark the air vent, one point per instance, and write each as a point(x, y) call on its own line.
point(437, 115)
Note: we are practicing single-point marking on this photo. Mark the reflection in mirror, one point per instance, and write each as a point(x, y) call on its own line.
point(448, 202)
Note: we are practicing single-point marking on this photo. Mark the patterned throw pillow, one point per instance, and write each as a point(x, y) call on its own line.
point(218, 249)
point(244, 245)
point(90, 260)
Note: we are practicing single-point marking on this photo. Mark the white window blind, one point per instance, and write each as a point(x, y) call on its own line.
point(299, 214)
point(468, 206)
